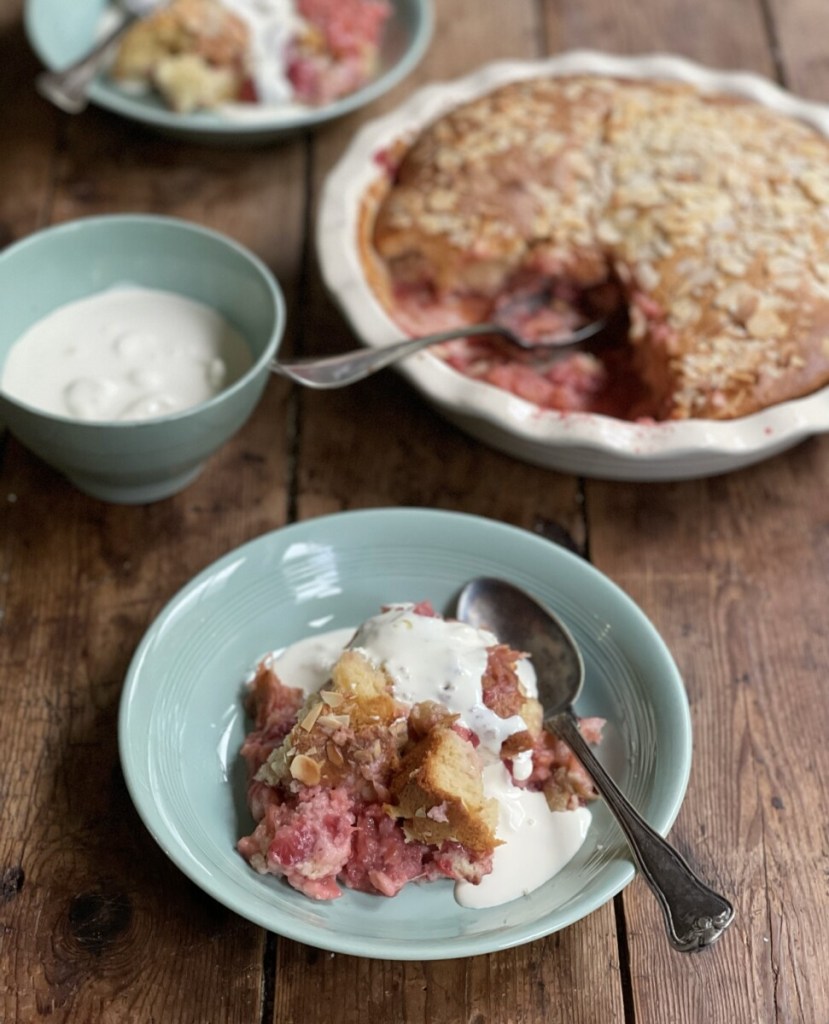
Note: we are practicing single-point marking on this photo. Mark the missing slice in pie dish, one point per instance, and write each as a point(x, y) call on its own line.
point(706, 216)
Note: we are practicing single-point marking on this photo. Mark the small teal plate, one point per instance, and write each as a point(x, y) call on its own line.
point(181, 719)
point(60, 32)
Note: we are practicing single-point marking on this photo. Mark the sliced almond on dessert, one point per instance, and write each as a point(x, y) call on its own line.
point(310, 719)
point(334, 754)
point(306, 770)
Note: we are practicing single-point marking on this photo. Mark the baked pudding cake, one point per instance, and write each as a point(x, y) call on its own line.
point(192, 52)
point(397, 769)
point(201, 54)
point(705, 216)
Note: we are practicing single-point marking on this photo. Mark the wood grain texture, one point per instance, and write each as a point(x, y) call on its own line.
point(30, 130)
point(732, 35)
point(742, 603)
point(95, 922)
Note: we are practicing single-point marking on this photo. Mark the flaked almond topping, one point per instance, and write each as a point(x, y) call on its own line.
point(442, 199)
point(334, 721)
point(723, 209)
point(608, 233)
point(765, 323)
point(334, 754)
point(815, 185)
point(363, 756)
point(331, 698)
point(310, 719)
point(305, 769)
point(685, 312)
point(648, 275)
point(740, 300)
point(730, 265)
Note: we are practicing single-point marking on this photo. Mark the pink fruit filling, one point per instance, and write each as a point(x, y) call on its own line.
point(333, 822)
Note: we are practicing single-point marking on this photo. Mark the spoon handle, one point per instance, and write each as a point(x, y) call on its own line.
point(348, 367)
point(67, 88)
point(695, 915)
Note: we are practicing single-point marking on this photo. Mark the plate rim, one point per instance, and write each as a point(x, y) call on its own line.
point(613, 878)
point(739, 441)
point(209, 127)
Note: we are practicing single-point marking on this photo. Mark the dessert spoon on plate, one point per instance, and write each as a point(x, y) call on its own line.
point(512, 320)
point(695, 915)
point(68, 88)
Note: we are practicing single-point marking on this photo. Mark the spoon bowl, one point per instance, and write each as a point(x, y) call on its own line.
point(695, 915)
point(512, 615)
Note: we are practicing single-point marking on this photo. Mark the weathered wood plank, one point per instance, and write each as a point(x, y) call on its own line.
point(565, 977)
point(99, 925)
point(731, 35)
point(379, 444)
point(741, 602)
point(29, 130)
point(796, 30)
point(715, 563)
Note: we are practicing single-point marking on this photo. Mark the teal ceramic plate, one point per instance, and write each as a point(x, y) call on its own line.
point(181, 719)
point(61, 31)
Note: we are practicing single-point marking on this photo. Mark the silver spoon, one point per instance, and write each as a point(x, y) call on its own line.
point(695, 915)
point(339, 370)
point(68, 88)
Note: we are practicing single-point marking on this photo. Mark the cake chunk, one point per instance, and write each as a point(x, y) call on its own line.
point(438, 792)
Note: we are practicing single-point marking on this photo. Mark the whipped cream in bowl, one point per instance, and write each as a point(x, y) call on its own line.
point(126, 353)
point(132, 347)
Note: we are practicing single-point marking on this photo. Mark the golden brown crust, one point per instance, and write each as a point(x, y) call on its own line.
point(353, 731)
point(438, 791)
point(713, 212)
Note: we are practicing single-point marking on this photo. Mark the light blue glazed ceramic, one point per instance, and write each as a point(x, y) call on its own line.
point(182, 723)
point(143, 461)
point(60, 32)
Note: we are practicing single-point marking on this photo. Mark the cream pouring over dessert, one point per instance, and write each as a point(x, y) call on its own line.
point(418, 754)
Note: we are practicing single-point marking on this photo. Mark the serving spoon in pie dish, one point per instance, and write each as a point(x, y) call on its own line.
point(695, 915)
point(517, 320)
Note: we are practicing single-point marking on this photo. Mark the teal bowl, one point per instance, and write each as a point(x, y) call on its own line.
point(60, 32)
point(135, 462)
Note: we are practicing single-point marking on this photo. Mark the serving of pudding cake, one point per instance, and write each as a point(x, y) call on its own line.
point(421, 755)
point(205, 54)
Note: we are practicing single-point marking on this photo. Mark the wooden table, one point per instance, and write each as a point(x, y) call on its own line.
point(95, 924)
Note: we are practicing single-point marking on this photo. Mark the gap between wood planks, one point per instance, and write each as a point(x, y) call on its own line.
point(767, 18)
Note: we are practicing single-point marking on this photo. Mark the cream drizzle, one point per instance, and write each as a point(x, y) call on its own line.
point(436, 659)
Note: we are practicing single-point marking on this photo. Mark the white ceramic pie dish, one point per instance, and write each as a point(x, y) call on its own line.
point(583, 443)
